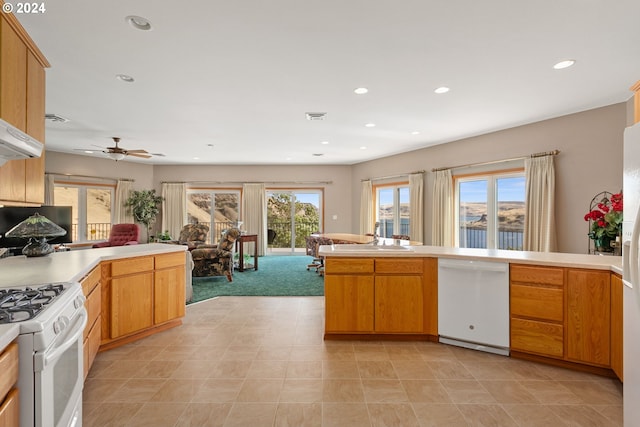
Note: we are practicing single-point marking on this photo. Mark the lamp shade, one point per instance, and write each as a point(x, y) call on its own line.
point(36, 228)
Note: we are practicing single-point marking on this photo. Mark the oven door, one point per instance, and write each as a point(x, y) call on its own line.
point(59, 378)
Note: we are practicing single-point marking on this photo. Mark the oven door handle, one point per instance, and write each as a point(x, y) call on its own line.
point(71, 337)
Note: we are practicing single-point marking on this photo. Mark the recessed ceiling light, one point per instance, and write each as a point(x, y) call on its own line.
point(210, 145)
point(288, 158)
point(317, 154)
point(370, 125)
point(363, 148)
point(196, 158)
point(361, 90)
point(138, 22)
point(88, 151)
point(324, 142)
point(442, 89)
point(564, 64)
point(415, 132)
point(125, 78)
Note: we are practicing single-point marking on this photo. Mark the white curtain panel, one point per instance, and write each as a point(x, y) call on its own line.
point(442, 222)
point(121, 213)
point(174, 207)
point(540, 223)
point(49, 190)
point(254, 214)
point(416, 207)
point(366, 207)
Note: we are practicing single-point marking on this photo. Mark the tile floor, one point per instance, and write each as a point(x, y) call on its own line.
point(261, 361)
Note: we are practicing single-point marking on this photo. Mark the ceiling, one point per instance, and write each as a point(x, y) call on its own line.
point(230, 82)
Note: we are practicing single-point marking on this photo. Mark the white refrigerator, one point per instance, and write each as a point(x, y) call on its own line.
point(631, 276)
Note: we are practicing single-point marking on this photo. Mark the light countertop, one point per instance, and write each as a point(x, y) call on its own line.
point(70, 266)
point(597, 262)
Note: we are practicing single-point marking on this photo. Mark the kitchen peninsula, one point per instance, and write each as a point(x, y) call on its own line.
point(564, 309)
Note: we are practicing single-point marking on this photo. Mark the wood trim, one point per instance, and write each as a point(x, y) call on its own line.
point(488, 173)
point(25, 37)
point(636, 102)
point(605, 372)
point(380, 337)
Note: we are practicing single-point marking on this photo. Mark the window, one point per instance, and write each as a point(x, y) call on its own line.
point(219, 209)
point(90, 209)
point(490, 210)
point(392, 208)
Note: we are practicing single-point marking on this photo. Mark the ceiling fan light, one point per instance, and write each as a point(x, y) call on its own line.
point(116, 156)
point(138, 22)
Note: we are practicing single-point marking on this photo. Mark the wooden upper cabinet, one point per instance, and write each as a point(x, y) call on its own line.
point(22, 104)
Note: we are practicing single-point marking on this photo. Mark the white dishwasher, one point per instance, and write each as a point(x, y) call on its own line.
point(473, 304)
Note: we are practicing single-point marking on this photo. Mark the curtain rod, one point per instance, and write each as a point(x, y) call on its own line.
point(531, 156)
point(249, 182)
point(70, 175)
point(392, 176)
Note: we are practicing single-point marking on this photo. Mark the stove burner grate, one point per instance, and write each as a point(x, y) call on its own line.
point(17, 305)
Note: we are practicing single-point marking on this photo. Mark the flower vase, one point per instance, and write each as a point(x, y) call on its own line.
point(603, 244)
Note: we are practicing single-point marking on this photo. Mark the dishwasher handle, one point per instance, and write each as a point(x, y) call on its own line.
point(473, 265)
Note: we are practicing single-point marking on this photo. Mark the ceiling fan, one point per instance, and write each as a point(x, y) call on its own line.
point(118, 153)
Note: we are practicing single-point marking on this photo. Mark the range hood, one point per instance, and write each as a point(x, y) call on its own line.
point(15, 144)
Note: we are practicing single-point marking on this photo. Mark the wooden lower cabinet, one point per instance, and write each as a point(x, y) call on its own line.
point(616, 325)
point(9, 401)
point(380, 295)
point(589, 316)
point(131, 304)
point(92, 332)
point(169, 287)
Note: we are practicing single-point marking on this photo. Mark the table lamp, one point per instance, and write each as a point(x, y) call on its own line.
point(37, 229)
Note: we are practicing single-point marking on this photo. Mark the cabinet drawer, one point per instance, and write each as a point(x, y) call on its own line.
point(170, 260)
point(91, 346)
point(348, 265)
point(10, 410)
point(537, 301)
point(537, 337)
point(8, 368)
point(536, 274)
point(131, 265)
point(93, 306)
point(90, 281)
point(399, 265)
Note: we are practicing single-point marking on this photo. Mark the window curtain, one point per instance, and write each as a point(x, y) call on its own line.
point(442, 223)
point(49, 190)
point(540, 227)
point(254, 214)
point(366, 207)
point(416, 207)
point(121, 213)
point(174, 207)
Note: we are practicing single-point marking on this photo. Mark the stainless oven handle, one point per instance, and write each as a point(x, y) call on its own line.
point(72, 337)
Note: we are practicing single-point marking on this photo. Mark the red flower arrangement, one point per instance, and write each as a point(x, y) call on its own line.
point(606, 218)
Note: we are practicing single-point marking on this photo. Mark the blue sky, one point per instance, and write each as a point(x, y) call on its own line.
point(509, 190)
point(313, 198)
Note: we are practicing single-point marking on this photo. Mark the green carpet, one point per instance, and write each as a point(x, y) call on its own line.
point(277, 275)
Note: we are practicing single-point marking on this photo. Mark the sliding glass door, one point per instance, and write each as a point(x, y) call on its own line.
point(291, 216)
point(218, 209)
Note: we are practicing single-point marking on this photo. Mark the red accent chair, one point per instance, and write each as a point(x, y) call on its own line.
point(121, 234)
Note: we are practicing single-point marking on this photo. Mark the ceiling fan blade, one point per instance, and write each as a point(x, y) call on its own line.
point(144, 156)
point(137, 151)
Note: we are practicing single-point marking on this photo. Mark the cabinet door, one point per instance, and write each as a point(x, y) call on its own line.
point(131, 303)
point(34, 168)
point(348, 303)
point(616, 325)
point(169, 294)
point(588, 316)
point(399, 304)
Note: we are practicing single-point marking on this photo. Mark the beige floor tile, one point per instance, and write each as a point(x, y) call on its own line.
point(304, 369)
point(488, 370)
point(306, 352)
point(612, 412)
point(101, 390)
point(158, 414)
point(138, 390)
point(268, 352)
point(260, 390)
point(345, 414)
point(204, 415)
point(550, 392)
point(450, 370)
point(193, 369)
point(123, 369)
point(229, 369)
point(367, 352)
point(301, 390)
point(340, 369)
point(439, 415)
point(251, 414)
point(392, 414)
point(467, 391)
point(376, 370)
point(508, 391)
point(594, 392)
point(111, 414)
point(158, 369)
point(268, 369)
point(402, 351)
point(218, 390)
point(384, 391)
point(299, 415)
point(534, 416)
point(342, 390)
point(486, 415)
point(412, 370)
point(430, 391)
point(581, 416)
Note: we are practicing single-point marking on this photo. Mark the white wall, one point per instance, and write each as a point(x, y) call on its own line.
point(590, 161)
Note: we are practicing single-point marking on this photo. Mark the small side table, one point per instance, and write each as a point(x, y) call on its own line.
point(244, 238)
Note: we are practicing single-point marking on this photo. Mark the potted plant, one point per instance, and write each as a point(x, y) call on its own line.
point(606, 221)
point(144, 206)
